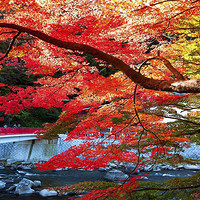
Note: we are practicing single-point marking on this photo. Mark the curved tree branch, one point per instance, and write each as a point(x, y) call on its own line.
point(168, 65)
point(191, 86)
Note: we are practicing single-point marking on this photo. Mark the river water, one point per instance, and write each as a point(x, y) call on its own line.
point(48, 178)
point(69, 177)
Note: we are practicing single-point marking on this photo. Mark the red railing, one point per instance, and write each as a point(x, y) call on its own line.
point(18, 130)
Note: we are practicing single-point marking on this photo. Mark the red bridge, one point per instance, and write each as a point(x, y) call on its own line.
point(18, 130)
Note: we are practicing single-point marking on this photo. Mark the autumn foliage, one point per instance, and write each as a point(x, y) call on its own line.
point(114, 67)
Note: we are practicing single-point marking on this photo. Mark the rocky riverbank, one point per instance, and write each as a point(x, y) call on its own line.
point(23, 177)
point(114, 166)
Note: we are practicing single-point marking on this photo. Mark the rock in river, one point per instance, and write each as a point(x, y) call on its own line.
point(2, 185)
point(48, 193)
point(24, 187)
point(37, 183)
point(115, 175)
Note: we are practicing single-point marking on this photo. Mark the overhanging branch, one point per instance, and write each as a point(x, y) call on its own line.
point(148, 83)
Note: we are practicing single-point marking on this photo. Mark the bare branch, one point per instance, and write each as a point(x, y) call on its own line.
point(172, 17)
point(168, 189)
point(10, 46)
point(151, 5)
point(9, 32)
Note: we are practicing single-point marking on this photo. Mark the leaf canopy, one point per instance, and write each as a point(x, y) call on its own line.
point(150, 52)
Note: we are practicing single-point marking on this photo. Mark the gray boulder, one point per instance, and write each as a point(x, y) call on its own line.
point(2, 185)
point(37, 183)
point(48, 193)
point(192, 167)
point(115, 175)
point(103, 169)
point(24, 187)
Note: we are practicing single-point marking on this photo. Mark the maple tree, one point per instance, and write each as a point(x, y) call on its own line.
point(143, 44)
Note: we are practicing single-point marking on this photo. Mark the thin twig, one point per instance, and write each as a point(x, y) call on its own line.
point(8, 32)
point(10, 46)
point(151, 5)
